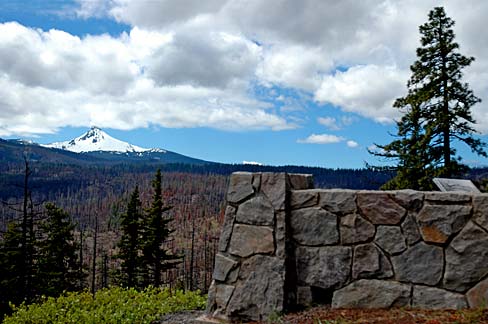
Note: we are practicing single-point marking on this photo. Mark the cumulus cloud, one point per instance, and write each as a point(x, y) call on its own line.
point(329, 122)
point(321, 139)
point(51, 79)
point(367, 90)
point(193, 63)
point(352, 144)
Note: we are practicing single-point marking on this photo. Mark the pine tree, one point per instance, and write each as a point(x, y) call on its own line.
point(155, 233)
point(438, 105)
point(57, 261)
point(129, 244)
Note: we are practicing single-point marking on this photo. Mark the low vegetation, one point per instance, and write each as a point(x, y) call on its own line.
point(111, 305)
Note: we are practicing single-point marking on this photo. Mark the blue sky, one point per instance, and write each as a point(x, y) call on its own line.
point(275, 82)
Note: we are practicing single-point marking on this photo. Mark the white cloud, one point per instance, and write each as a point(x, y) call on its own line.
point(329, 122)
point(352, 144)
point(321, 139)
point(367, 90)
point(53, 79)
point(352, 54)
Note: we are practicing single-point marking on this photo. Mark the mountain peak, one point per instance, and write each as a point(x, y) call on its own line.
point(95, 139)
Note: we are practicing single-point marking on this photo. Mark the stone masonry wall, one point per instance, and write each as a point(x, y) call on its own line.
point(285, 244)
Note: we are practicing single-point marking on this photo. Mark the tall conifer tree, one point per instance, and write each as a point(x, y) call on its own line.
point(440, 103)
point(58, 261)
point(130, 244)
point(156, 232)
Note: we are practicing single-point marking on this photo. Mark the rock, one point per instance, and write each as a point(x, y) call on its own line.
point(274, 186)
point(260, 290)
point(390, 239)
point(447, 197)
point(211, 302)
point(240, 187)
point(421, 264)
point(338, 201)
point(370, 262)
point(411, 230)
point(466, 258)
point(223, 265)
point(478, 295)
point(226, 232)
point(281, 234)
point(439, 222)
point(379, 208)
point(301, 181)
point(256, 211)
point(314, 226)
point(247, 240)
point(480, 210)
point(355, 229)
point(223, 295)
point(435, 298)
point(323, 267)
point(304, 198)
point(372, 294)
point(409, 199)
point(304, 296)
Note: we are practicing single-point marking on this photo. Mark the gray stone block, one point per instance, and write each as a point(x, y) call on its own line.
point(338, 201)
point(421, 264)
point(480, 210)
point(390, 239)
point(247, 240)
point(223, 265)
point(438, 223)
point(314, 226)
point(435, 298)
point(304, 198)
point(379, 208)
point(256, 211)
point(227, 227)
point(324, 267)
point(410, 229)
point(370, 262)
point(240, 187)
point(466, 258)
point(355, 229)
point(372, 294)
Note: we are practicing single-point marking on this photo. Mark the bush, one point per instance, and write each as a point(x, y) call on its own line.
point(112, 305)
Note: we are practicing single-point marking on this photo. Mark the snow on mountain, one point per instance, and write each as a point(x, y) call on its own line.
point(97, 140)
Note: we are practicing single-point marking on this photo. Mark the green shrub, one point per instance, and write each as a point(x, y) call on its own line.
point(113, 305)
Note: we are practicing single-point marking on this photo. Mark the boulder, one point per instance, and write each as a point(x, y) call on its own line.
point(314, 226)
point(421, 264)
point(340, 201)
point(436, 298)
point(256, 211)
point(372, 294)
point(355, 229)
point(227, 227)
point(259, 291)
point(379, 208)
point(439, 222)
point(240, 187)
point(466, 258)
point(390, 239)
point(370, 262)
point(247, 240)
point(324, 267)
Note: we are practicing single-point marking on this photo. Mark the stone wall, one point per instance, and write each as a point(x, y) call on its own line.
point(285, 244)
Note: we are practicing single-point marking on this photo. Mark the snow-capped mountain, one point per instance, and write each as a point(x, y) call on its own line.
point(97, 140)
